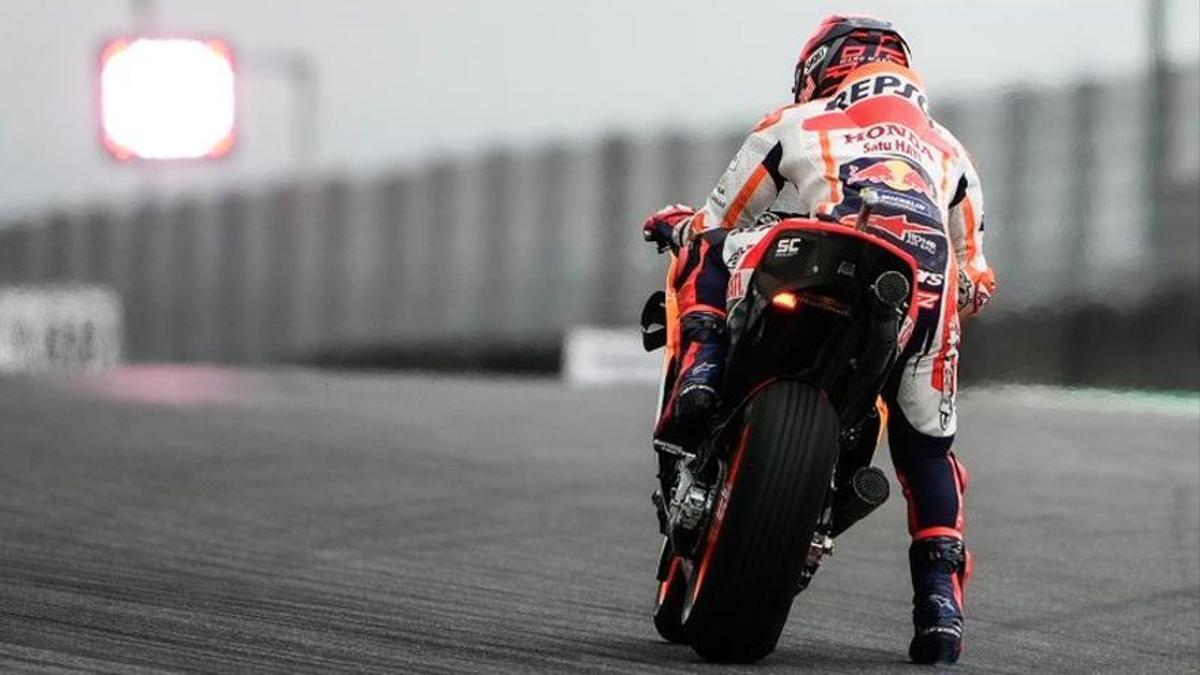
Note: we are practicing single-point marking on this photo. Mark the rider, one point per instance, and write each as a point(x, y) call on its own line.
point(860, 120)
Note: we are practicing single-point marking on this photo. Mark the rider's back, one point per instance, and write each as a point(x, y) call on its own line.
point(874, 132)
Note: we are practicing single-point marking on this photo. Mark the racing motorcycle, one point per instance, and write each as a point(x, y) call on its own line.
point(784, 467)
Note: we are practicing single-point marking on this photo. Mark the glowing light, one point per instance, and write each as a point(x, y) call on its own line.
point(785, 300)
point(167, 98)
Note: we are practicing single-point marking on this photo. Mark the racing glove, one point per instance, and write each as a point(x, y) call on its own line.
point(975, 291)
point(667, 227)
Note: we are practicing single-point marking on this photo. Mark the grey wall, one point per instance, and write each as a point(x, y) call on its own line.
point(1091, 200)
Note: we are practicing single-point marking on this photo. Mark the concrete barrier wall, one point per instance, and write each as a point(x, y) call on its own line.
point(504, 252)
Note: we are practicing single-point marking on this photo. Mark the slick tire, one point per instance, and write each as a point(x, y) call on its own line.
point(741, 589)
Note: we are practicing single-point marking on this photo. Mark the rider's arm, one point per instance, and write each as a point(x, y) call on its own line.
point(977, 281)
point(750, 184)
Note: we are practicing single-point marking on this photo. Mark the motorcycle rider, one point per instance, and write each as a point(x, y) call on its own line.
point(859, 120)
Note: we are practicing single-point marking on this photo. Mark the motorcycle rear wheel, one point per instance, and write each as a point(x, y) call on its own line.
point(741, 590)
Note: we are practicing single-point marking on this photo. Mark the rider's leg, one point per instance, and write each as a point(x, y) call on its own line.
point(700, 283)
point(921, 427)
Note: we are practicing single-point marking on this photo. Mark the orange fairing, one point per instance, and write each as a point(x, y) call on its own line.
point(672, 306)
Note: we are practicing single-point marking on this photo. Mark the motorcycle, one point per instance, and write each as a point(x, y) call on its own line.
point(748, 513)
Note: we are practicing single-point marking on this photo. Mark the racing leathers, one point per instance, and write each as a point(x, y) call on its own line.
point(816, 158)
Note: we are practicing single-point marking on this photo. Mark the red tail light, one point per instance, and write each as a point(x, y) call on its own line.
point(785, 300)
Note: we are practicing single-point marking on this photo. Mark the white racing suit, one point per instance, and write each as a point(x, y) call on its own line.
point(814, 159)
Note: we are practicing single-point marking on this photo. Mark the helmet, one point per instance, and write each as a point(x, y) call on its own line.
point(841, 44)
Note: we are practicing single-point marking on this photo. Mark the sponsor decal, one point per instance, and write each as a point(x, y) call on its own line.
point(738, 282)
point(910, 204)
point(877, 85)
point(718, 195)
point(933, 279)
point(739, 242)
point(928, 299)
point(816, 58)
point(899, 227)
point(736, 257)
point(788, 248)
point(896, 174)
point(907, 200)
point(926, 244)
point(921, 243)
point(891, 138)
point(949, 403)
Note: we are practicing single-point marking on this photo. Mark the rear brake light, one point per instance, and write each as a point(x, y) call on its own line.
point(785, 300)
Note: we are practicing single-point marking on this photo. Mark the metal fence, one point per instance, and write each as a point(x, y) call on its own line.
point(515, 247)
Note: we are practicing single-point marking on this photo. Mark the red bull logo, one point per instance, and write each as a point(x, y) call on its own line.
point(896, 174)
point(913, 234)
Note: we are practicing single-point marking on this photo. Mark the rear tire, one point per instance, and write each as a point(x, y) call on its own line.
point(741, 590)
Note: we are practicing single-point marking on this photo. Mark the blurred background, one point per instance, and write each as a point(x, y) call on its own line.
point(459, 184)
point(201, 199)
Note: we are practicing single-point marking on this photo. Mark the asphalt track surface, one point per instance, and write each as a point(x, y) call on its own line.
point(217, 520)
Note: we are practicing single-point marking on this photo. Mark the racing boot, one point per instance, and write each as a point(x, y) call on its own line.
point(939, 573)
point(696, 394)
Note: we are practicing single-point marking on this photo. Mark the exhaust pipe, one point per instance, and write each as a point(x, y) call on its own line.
point(866, 491)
